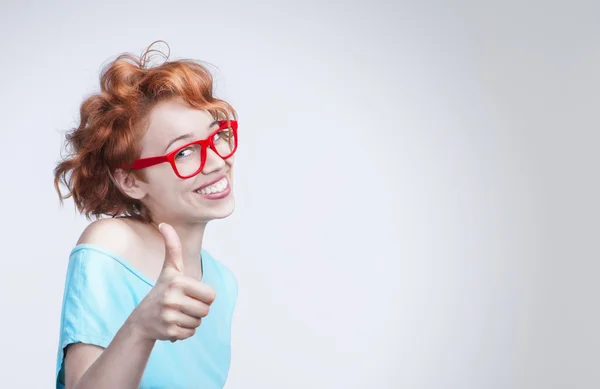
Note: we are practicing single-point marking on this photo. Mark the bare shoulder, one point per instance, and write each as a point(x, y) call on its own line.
point(115, 234)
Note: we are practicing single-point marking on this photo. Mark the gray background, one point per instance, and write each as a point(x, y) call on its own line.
point(416, 184)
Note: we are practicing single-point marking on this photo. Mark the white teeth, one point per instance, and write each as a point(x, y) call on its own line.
point(217, 187)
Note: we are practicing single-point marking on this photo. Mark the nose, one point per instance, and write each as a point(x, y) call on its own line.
point(213, 163)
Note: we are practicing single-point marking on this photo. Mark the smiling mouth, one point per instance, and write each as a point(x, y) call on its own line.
point(218, 187)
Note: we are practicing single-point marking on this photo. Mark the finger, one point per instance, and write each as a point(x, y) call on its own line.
point(198, 290)
point(173, 256)
point(180, 333)
point(185, 321)
point(193, 307)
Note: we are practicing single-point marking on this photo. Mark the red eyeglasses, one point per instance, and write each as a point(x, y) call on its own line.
point(189, 160)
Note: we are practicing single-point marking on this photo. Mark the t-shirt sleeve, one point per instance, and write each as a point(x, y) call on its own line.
point(96, 301)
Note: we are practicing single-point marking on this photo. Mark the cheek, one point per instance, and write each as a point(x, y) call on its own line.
point(230, 165)
point(231, 176)
point(164, 184)
point(159, 176)
point(230, 161)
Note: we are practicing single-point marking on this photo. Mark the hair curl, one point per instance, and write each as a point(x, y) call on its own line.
point(112, 123)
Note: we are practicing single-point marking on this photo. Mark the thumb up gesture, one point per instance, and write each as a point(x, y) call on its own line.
point(175, 306)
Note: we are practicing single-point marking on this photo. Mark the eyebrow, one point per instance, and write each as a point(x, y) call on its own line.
point(188, 135)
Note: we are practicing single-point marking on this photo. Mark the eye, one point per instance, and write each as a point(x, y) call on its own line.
point(184, 153)
point(224, 134)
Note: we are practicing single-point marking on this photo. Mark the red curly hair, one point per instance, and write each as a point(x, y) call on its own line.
point(113, 122)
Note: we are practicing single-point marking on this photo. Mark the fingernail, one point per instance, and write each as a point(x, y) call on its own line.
point(159, 227)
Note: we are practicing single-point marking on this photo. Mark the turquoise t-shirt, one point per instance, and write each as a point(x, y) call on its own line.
point(102, 289)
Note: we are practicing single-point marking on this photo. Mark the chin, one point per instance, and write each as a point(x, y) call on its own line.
point(222, 210)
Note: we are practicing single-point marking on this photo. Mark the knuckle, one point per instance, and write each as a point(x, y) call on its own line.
point(170, 300)
point(176, 283)
point(172, 332)
point(166, 298)
point(167, 316)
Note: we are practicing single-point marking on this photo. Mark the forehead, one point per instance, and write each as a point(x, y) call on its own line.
point(170, 119)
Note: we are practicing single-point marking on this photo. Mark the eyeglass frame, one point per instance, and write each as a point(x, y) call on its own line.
point(205, 144)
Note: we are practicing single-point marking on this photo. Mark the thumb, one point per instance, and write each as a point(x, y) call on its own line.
point(173, 257)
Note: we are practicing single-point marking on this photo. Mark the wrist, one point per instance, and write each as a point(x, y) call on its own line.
point(136, 331)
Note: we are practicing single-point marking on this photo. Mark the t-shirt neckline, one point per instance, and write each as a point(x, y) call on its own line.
point(125, 263)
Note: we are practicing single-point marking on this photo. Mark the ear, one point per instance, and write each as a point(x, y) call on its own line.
point(129, 184)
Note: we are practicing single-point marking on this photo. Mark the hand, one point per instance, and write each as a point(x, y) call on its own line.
point(175, 306)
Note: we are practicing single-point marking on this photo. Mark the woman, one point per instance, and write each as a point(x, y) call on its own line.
point(144, 305)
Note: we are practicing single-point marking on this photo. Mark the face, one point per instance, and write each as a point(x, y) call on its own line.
point(206, 196)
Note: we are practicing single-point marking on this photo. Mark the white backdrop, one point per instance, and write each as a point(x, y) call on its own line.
point(416, 184)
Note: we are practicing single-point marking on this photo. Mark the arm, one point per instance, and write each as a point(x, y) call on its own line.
point(120, 365)
point(172, 310)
